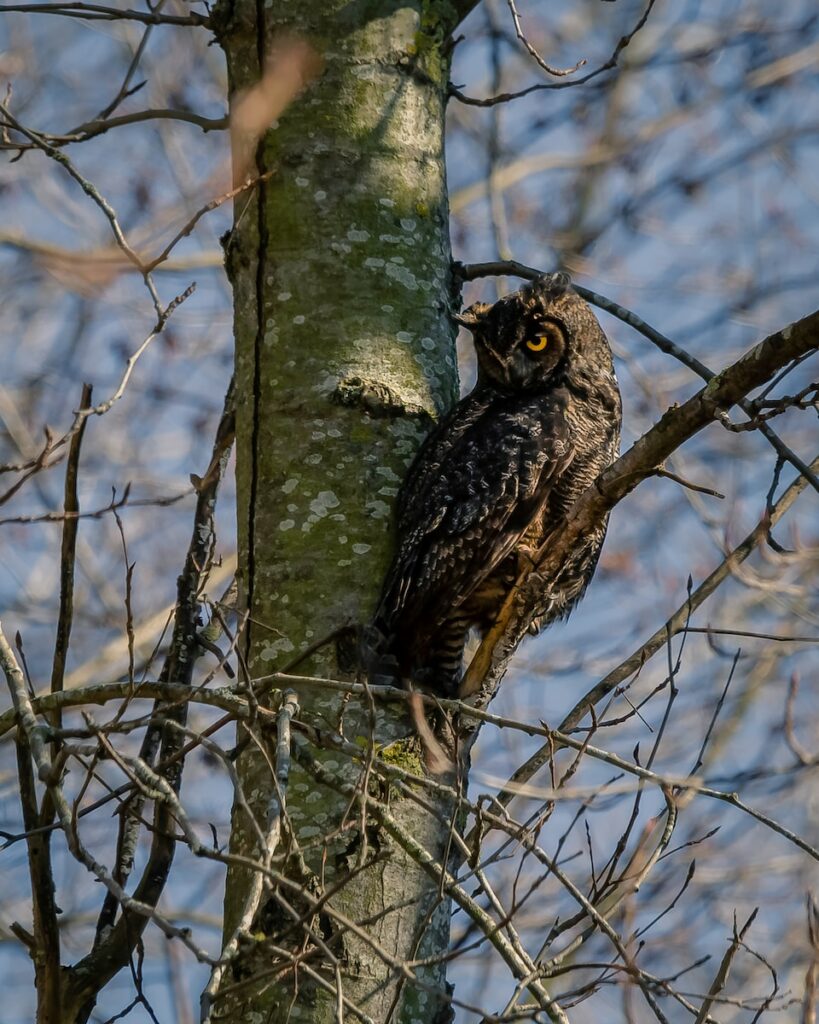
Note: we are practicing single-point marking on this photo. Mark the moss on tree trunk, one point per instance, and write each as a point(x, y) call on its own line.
point(340, 265)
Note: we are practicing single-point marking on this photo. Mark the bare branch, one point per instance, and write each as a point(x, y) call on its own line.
point(164, 315)
point(721, 978)
point(506, 97)
point(194, 220)
point(96, 12)
point(557, 72)
point(71, 507)
point(113, 506)
point(99, 126)
point(45, 943)
point(93, 193)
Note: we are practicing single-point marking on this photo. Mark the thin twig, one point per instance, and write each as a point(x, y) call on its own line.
point(96, 12)
point(721, 978)
point(212, 205)
point(96, 196)
point(506, 97)
point(164, 315)
point(112, 507)
point(661, 471)
point(557, 72)
point(71, 507)
point(790, 639)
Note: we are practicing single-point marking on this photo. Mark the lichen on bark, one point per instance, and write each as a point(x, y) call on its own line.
point(341, 269)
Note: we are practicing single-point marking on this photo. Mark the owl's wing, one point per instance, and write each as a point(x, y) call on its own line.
point(426, 466)
point(473, 508)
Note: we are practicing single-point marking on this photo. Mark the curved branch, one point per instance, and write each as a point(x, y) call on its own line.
point(101, 125)
point(505, 97)
point(95, 12)
point(557, 72)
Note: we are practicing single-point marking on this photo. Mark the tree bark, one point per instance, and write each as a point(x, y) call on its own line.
point(341, 270)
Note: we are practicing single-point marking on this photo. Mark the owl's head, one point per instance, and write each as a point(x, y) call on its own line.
point(533, 338)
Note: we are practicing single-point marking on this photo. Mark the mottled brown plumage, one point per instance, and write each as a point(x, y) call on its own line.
point(498, 471)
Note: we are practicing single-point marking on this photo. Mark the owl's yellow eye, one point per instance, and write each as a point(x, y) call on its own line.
point(538, 343)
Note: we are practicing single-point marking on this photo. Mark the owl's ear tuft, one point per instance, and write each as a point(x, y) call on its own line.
point(471, 317)
point(546, 288)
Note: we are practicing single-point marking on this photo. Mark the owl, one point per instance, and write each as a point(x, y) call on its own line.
point(496, 474)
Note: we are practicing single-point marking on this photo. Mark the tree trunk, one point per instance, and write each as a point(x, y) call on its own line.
point(341, 270)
